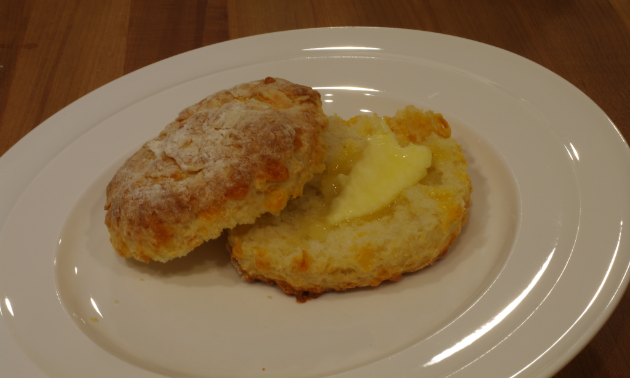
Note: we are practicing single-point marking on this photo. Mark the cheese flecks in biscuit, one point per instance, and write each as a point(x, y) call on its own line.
point(306, 255)
point(224, 161)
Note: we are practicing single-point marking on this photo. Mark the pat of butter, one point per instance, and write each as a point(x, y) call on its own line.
point(384, 171)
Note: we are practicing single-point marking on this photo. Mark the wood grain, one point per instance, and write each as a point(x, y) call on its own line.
point(160, 29)
point(52, 52)
point(623, 10)
point(216, 23)
point(59, 52)
point(164, 28)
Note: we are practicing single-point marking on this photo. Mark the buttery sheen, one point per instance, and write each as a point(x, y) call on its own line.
point(383, 171)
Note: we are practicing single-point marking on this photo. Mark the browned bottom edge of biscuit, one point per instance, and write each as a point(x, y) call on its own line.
point(303, 295)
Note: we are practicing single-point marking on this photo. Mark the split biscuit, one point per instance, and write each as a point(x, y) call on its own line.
point(224, 161)
point(306, 256)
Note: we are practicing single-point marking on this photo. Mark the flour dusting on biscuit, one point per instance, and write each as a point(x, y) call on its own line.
point(224, 161)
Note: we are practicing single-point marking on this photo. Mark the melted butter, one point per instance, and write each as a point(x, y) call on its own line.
point(342, 165)
point(378, 176)
point(317, 226)
point(452, 209)
point(337, 176)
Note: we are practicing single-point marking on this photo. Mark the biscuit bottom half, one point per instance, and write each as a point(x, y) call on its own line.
point(306, 256)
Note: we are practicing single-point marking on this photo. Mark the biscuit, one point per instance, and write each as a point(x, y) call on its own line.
point(224, 161)
point(306, 256)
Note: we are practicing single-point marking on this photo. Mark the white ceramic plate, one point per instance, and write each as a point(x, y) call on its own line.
point(533, 276)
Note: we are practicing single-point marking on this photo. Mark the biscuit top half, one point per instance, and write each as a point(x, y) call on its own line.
point(224, 161)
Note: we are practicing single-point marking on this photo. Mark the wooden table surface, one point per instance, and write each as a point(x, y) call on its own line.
point(52, 52)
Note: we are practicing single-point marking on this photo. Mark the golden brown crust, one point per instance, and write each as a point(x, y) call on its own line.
point(303, 294)
point(224, 161)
